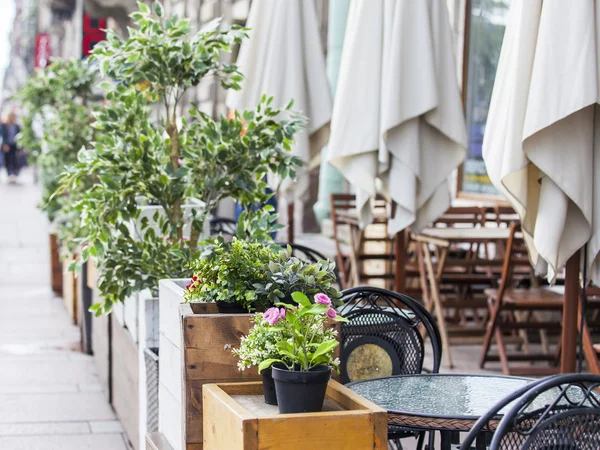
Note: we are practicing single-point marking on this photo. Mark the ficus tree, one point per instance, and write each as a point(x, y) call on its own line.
point(57, 104)
point(138, 160)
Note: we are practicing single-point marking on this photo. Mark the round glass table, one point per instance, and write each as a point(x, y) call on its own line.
point(444, 402)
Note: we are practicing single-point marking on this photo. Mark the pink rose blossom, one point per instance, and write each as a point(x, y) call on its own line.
point(331, 313)
point(322, 299)
point(271, 315)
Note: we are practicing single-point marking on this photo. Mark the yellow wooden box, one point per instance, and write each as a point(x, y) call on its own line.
point(236, 418)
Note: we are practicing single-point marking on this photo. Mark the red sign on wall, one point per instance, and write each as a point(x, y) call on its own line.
point(42, 50)
point(93, 32)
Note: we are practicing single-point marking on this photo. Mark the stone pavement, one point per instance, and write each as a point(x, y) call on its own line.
point(50, 397)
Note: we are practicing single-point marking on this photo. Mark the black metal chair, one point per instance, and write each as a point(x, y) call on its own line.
point(385, 335)
point(556, 413)
point(223, 226)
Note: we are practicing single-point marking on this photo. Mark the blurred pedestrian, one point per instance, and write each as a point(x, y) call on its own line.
point(9, 132)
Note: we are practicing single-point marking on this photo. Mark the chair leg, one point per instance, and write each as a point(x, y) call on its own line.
point(489, 333)
point(502, 350)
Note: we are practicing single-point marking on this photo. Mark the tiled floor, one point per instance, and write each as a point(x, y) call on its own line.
point(50, 398)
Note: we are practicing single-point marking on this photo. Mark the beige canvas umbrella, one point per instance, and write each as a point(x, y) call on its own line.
point(398, 123)
point(284, 58)
point(541, 146)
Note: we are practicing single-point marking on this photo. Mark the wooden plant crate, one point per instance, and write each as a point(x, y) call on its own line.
point(236, 418)
point(125, 381)
point(56, 275)
point(195, 349)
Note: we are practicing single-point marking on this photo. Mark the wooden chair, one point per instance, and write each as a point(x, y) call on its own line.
point(515, 309)
point(461, 283)
point(345, 221)
point(591, 349)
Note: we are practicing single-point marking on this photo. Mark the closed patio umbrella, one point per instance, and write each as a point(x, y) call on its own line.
point(541, 146)
point(398, 124)
point(284, 58)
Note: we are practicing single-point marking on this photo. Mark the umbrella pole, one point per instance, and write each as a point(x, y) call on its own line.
point(569, 322)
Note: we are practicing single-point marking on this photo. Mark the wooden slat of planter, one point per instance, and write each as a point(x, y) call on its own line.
point(69, 293)
point(327, 431)
point(233, 417)
point(56, 276)
point(208, 339)
point(125, 381)
point(92, 274)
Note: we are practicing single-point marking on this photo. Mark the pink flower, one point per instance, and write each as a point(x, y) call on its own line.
point(331, 313)
point(322, 299)
point(272, 315)
point(282, 312)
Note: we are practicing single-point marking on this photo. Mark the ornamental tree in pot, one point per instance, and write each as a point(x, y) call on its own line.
point(148, 154)
point(57, 114)
point(170, 161)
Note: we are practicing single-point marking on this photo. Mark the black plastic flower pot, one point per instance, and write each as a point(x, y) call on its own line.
point(299, 392)
point(231, 308)
point(269, 387)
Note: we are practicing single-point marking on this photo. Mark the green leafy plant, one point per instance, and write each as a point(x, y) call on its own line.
point(227, 272)
point(168, 162)
point(261, 344)
point(287, 274)
point(58, 100)
point(303, 338)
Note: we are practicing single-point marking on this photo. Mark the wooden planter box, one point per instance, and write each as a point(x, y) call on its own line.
point(56, 274)
point(237, 418)
point(125, 381)
point(195, 349)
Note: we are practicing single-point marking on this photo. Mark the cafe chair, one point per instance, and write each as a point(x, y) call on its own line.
point(514, 309)
point(555, 413)
point(223, 226)
point(386, 335)
point(344, 219)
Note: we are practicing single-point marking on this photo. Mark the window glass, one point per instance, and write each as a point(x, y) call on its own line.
point(486, 31)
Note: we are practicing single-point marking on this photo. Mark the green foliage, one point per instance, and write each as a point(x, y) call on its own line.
point(136, 160)
point(161, 54)
point(260, 344)
point(287, 274)
point(227, 272)
point(57, 101)
point(303, 338)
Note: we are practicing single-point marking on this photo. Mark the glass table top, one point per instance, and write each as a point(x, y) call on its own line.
point(435, 395)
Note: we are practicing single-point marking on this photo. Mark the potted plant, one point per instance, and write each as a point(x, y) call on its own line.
point(286, 274)
point(260, 345)
point(303, 355)
point(227, 274)
point(58, 110)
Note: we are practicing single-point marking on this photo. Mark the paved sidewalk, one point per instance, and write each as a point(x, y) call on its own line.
point(50, 398)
